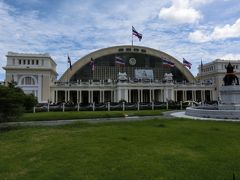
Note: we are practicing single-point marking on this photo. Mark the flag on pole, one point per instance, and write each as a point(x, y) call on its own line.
point(186, 63)
point(201, 66)
point(168, 63)
point(92, 64)
point(137, 34)
point(119, 61)
point(69, 61)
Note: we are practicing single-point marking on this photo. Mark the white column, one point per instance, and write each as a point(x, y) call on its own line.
point(56, 100)
point(139, 95)
point(211, 95)
point(129, 96)
point(150, 95)
point(103, 96)
point(68, 95)
point(77, 96)
point(92, 96)
point(65, 96)
point(80, 96)
point(100, 96)
point(176, 96)
point(89, 96)
point(39, 96)
point(153, 95)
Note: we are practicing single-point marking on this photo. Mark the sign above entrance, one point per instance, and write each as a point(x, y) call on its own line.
point(143, 73)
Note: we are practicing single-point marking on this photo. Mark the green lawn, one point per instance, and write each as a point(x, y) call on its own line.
point(153, 149)
point(42, 116)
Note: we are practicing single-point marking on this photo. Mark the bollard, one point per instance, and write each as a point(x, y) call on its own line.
point(181, 105)
point(34, 109)
point(138, 106)
point(108, 104)
point(152, 105)
point(48, 107)
point(78, 107)
point(93, 106)
point(63, 107)
point(167, 105)
point(123, 106)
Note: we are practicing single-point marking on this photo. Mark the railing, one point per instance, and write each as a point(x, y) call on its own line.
point(122, 106)
point(106, 83)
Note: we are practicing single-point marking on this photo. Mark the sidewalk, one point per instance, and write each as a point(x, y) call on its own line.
point(95, 120)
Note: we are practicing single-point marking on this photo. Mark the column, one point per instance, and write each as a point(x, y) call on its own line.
point(176, 98)
point(130, 96)
point(112, 96)
point(195, 95)
point(56, 96)
point(65, 96)
point(141, 95)
point(103, 96)
point(39, 96)
point(153, 95)
point(89, 96)
point(150, 95)
point(80, 96)
point(100, 98)
point(77, 96)
point(92, 96)
point(68, 95)
point(211, 95)
point(184, 95)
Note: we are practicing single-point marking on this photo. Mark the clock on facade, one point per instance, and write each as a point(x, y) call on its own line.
point(132, 61)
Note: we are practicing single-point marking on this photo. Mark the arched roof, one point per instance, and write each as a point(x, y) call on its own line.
point(115, 49)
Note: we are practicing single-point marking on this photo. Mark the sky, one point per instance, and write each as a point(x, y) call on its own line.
point(190, 29)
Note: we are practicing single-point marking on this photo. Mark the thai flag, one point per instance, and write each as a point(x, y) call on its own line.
point(119, 61)
point(186, 63)
point(168, 63)
point(69, 61)
point(92, 64)
point(137, 34)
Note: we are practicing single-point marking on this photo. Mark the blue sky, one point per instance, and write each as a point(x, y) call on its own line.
point(190, 29)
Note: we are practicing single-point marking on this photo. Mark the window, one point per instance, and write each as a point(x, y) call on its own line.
point(24, 61)
point(128, 49)
point(143, 50)
point(120, 49)
point(32, 61)
point(37, 62)
point(27, 81)
point(19, 61)
point(136, 50)
point(28, 62)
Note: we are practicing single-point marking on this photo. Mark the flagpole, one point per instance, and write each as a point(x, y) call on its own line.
point(67, 68)
point(132, 37)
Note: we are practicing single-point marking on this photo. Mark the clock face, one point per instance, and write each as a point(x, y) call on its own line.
point(132, 61)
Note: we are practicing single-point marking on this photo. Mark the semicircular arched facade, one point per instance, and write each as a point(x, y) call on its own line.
point(144, 59)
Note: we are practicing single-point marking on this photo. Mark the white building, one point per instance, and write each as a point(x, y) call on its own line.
point(34, 73)
point(214, 72)
point(144, 77)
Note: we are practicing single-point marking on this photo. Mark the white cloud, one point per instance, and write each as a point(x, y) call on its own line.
point(219, 33)
point(231, 57)
point(181, 11)
point(198, 36)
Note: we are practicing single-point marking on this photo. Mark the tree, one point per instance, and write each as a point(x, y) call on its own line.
point(29, 102)
point(13, 102)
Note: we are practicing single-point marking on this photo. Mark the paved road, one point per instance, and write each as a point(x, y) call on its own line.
point(95, 120)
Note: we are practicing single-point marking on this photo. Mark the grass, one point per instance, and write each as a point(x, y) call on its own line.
point(153, 149)
point(43, 116)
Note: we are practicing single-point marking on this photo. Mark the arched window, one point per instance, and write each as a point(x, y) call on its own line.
point(27, 81)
